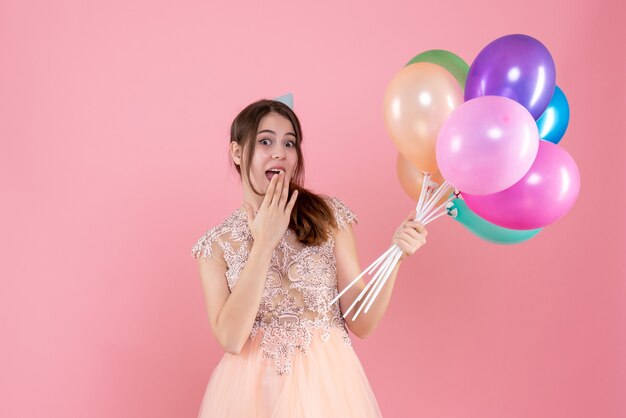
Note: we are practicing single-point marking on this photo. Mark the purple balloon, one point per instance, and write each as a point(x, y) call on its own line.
point(546, 193)
point(515, 66)
point(486, 145)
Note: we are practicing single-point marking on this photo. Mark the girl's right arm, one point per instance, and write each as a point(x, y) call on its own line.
point(232, 313)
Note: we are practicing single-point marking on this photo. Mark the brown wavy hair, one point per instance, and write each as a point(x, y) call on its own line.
point(311, 217)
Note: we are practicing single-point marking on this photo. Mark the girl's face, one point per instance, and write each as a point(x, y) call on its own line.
point(275, 150)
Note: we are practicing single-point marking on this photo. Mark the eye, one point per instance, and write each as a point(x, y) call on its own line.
point(293, 144)
point(264, 141)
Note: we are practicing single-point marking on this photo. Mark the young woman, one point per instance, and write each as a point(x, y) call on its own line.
point(269, 272)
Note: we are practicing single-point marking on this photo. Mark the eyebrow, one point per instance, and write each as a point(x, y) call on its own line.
point(272, 132)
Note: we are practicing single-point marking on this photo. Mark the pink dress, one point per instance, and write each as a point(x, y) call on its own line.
point(299, 360)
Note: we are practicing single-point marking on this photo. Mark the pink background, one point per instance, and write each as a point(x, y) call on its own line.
point(114, 121)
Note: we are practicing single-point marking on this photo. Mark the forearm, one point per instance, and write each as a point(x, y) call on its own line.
point(235, 320)
point(367, 322)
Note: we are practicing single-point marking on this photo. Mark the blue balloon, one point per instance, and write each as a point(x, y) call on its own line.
point(553, 122)
point(485, 229)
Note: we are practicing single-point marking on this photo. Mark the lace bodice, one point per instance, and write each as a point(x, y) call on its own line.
point(301, 282)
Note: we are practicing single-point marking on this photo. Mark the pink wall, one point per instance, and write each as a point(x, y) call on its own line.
point(113, 123)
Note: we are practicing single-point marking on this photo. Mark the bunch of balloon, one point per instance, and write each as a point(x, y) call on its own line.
point(475, 128)
point(499, 147)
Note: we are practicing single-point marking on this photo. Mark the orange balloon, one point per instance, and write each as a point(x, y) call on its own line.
point(417, 101)
point(412, 179)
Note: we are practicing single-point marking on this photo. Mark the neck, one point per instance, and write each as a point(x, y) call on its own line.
point(252, 198)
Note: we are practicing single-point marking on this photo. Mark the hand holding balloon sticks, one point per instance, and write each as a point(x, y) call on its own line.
point(426, 212)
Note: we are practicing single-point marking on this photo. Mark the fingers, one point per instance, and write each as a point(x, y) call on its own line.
point(284, 195)
point(411, 232)
point(278, 188)
point(267, 200)
point(410, 238)
point(277, 192)
point(408, 244)
point(416, 226)
point(291, 202)
point(404, 246)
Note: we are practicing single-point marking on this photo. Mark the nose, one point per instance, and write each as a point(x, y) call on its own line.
point(278, 152)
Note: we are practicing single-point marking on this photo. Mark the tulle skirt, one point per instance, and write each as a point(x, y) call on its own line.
point(328, 381)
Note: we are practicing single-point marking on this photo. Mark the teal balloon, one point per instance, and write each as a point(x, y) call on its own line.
point(553, 122)
point(286, 99)
point(485, 229)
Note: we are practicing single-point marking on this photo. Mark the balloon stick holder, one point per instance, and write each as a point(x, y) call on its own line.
point(426, 212)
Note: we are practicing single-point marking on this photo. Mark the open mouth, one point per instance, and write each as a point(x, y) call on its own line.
point(272, 172)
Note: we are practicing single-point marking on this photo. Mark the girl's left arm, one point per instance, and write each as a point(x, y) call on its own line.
point(409, 236)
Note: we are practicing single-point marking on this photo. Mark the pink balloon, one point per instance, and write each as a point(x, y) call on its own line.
point(546, 193)
point(487, 144)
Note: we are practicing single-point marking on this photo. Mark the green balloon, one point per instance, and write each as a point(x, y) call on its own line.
point(485, 229)
point(446, 59)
